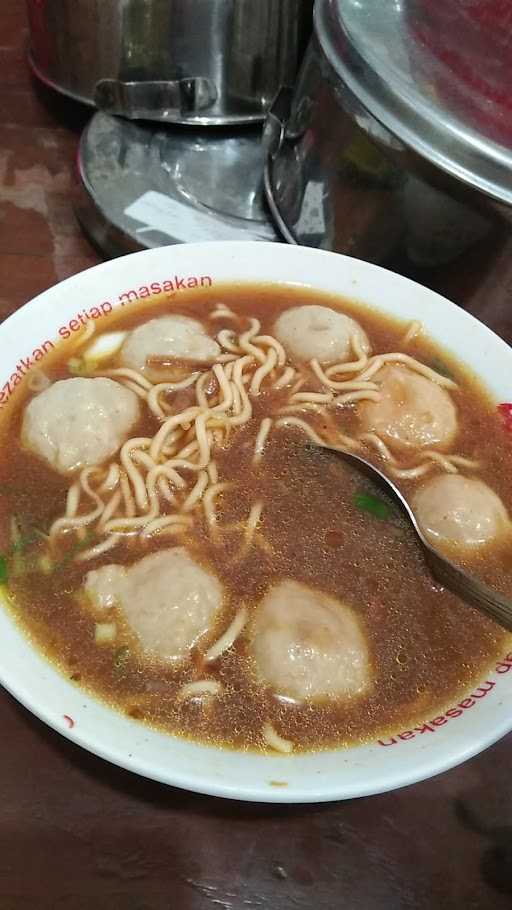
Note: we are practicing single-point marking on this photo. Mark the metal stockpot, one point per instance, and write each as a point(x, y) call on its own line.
point(202, 62)
point(365, 158)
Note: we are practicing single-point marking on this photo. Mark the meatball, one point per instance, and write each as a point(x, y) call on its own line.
point(308, 646)
point(308, 332)
point(77, 423)
point(461, 511)
point(170, 337)
point(413, 413)
point(169, 600)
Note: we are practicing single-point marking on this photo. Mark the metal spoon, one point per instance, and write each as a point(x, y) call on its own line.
point(444, 570)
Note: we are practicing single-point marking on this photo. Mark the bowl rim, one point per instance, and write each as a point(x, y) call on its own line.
point(206, 782)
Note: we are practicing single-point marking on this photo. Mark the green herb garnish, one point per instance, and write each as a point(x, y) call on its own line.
point(366, 502)
point(121, 657)
point(4, 571)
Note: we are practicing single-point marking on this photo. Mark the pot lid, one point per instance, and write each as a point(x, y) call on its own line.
point(437, 74)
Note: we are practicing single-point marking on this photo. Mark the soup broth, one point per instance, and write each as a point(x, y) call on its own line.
point(255, 504)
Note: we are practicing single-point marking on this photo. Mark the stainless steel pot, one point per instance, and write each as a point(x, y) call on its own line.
point(202, 62)
point(365, 158)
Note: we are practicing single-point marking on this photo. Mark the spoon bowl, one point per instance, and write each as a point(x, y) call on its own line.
point(465, 586)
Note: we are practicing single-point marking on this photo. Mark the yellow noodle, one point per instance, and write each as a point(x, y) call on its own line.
point(177, 522)
point(463, 462)
point(264, 430)
point(163, 388)
point(80, 521)
point(128, 500)
point(262, 372)
point(301, 425)
point(286, 377)
point(418, 367)
point(376, 365)
point(197, 491)
point(209, 504)
point(110, 509)
point(213, 474)
point(276, 742)
point(377, 443)
point(246, 338)
point(99, 549)
point(73, 500)
point(351, 397)
point(134, 476)
point(225, 388)
point(298, 385)
point(135, 388)
point(271, 342)
point(170, 424)
point(229, 637)
point(132, 375)
point(226, 339)
point(300, 408)
point(441, 460)
point(253, 521)
point(348, 384)
point(412, 473)
point(413, 331)
point(199, 689)
point(164, 488)
point(352, 366)
point(111, 480)
point(314, 397)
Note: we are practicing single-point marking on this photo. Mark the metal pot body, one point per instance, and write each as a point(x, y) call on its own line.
point(187, 61)
point(337, 179)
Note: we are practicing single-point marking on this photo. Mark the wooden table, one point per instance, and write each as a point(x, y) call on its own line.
point(77, 833)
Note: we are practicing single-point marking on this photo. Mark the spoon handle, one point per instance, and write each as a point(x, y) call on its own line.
point(469, 589)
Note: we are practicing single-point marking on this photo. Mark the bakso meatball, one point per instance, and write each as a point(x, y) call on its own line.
point(308, 646)
point(169, 601)
point(77, 423)
point(170, 337)
point(308, 332)
point(461, 511)
point(413, 412)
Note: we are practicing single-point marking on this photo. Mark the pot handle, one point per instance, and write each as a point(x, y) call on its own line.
point(275, 124)
point(163, 101)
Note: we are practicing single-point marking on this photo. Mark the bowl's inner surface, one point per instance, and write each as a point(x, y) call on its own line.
point(330, 629)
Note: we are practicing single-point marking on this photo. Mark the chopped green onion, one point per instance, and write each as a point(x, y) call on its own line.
point(76, 365)
point(18, 565)
point(366, 502)
point(4, 571)
point(105, 632)
point(45, 564)
point(121, 657)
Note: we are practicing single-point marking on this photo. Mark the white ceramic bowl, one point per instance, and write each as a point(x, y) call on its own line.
point(481, 715)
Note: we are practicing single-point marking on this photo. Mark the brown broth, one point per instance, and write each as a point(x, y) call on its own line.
point(426, 646)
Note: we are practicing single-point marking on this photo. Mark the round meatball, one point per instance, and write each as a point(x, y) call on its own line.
point(170, 337)
point(169, 601)
point(413, 413)
point(308, 332)
point(78, 423)
point(308, 646)
point(461, 511)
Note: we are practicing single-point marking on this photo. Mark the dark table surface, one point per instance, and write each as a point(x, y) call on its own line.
point(77, 833)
